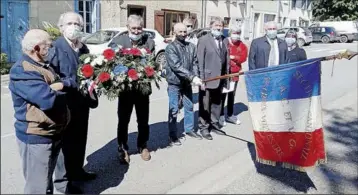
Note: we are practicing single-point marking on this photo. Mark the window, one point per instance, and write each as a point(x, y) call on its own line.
point(172, 17)
point(100, 37)
point(87, 9)
point(226, 22)
point(293, 4)
point(269, 17)
point(293, 23)
point(137, 10)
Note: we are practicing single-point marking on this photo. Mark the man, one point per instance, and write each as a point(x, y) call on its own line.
point(64, 57)
point(181, 71)
point(213, 60)
point(134, 98)
point(190, 28)
point(268, 50)
point(41, 112)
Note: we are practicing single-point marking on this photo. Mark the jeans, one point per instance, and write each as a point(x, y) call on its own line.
point(230, 102)
point(174, 92)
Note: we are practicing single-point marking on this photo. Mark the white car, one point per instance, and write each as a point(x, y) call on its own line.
point(304, 35)
point(102, 39)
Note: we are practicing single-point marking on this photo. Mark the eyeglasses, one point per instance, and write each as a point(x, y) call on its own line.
point(189, 26)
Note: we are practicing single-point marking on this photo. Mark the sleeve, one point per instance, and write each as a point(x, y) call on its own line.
point(201, 57)
point(174, 63)
point(252, 56)
point(303, 55)
point(31, 86)
point(195, 62)
point(61, 69)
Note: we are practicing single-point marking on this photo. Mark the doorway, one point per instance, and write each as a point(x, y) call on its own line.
point(138, 10)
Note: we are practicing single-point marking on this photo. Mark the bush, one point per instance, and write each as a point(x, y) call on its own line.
point(50, 29)
point(4, 66)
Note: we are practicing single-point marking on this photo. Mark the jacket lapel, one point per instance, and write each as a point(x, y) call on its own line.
point(213, 44)
point(71, 54)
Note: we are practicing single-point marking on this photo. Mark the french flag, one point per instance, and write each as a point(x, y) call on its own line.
point(285, 108)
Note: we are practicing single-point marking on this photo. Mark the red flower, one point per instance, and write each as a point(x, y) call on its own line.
point(103, 77)
point(109, 54)
point(148, 51)
point(87, 70)
point(133, 74)
point(149, 71)
point(135, 52)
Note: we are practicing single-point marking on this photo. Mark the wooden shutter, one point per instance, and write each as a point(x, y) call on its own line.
point(159, 21)
point(194, 18)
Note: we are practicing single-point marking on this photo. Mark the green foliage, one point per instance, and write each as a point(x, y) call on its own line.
point(4, 66)
point(53, 31)
point(335, 10)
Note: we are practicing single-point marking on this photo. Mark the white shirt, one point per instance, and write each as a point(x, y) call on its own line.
point(76, 47)
point(277, 54)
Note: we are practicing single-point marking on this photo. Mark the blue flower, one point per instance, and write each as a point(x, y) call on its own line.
point(120, 69)
point(143, 61)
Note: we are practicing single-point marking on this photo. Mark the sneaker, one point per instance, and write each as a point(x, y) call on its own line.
point(234, 120)
point(222, 121)
point(175, 141)
point(145, 154)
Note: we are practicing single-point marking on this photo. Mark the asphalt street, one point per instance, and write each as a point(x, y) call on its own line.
point(223, 165)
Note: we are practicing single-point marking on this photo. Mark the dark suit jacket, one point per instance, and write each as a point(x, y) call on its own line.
point(212, 63)
point(260, 52)
point(65, 61)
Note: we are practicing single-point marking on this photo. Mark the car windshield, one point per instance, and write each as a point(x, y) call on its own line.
point(100, 37)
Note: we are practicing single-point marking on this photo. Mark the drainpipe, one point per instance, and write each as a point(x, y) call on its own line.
point(203, 13)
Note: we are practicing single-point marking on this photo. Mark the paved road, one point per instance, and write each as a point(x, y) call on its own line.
point(195, 166)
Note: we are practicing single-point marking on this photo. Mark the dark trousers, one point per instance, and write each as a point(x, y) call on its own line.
point(126, 101)
point(72, 155)
point(209, 109)
point(230, 102)
point(38, 165)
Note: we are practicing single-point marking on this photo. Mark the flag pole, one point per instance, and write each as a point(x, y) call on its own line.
point(342, 55)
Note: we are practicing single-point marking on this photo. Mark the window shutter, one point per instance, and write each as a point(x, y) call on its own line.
point(159, 21)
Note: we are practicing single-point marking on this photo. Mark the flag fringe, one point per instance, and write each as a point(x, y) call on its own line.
point(266, 162)
point(289, 165)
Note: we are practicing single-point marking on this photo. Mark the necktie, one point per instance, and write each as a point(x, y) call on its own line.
point(272, 54)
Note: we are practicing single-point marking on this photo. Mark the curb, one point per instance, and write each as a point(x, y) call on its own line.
point(4, 78)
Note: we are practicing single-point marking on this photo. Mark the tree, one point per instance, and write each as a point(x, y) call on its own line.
point(335, 10)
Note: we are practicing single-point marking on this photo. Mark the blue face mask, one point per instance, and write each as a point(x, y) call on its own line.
point(216, 33)
point(135, 37)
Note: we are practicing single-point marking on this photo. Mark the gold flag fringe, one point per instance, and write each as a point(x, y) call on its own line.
point(289, 165)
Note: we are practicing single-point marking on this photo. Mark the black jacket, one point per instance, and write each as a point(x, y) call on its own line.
point(182, 63)
point(297, 54)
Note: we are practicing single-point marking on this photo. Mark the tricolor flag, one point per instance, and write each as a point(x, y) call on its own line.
point(285, 108)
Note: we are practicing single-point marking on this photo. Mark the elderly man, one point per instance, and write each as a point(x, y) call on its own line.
point(181, 71)
point(133, 97)
point(41, 112)
point(268, 50)
point(64, 57)
point(213, 61)
point(188, 22)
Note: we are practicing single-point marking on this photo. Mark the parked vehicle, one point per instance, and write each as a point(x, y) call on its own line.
point(348, 30)
point(102, 39)
point(304, 35)
point(324, 34)
point(197, 33)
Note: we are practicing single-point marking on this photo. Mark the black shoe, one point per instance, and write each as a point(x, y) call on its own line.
point(219, 132)
point(123, 156)
point(71, 189)
point(206, 135)
point(175, 141)
point(193, 135)
point(85, 176)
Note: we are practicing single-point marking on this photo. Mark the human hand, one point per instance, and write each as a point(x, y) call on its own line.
point(197, 81)
point(232, 57)
point(57, 86)
point(202, 87)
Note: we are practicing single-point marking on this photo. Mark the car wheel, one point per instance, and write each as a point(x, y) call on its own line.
point(350, 41)
point(160, 59)
point(300, 42)
point(343, 39)
point(325, 39)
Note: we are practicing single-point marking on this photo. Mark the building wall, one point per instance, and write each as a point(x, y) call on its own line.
point(296, 14)
point(114, 13)
point(262, 12)
point(48, 10)
point(224, 9)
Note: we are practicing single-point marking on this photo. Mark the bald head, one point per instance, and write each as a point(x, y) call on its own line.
point(180, 31)
point(34, 37)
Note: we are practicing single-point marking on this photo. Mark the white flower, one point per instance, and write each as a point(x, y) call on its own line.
point(139, 75)
point(119, 79)
point(87, 60)
point(143, 51)
point(98, 60)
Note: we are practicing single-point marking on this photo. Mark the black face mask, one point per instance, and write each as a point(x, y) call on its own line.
point(180, 38)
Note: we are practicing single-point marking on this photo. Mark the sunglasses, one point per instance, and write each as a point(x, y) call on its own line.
point(189, 26)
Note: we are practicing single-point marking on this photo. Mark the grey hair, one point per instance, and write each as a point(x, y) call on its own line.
point(216, 19)
point(63, 16)
point(235, 28)
point(32, 38)
point(135, 19)
point(270, 23)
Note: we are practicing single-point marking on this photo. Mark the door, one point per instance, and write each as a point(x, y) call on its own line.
point(17, 27)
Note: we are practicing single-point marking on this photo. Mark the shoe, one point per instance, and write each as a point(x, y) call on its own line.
point(71, 189)
point(234, 120)
point(144, 153)
point(206, 135)
point(219, 132)
point(175, 141)
point(222, 121)
point(123, 156)
point(194, 135)
point(85, 176)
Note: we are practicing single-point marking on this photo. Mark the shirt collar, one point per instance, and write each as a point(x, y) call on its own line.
point(76, 46)
point(27, 58)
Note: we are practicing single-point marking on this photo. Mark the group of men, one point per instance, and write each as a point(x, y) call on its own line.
point(52, 114)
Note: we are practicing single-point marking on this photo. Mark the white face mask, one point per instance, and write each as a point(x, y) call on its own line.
point(135, 37)
point(290, 41)
point(272, 34)
point(235, 37)
point(72, 32)
point(189, 29)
